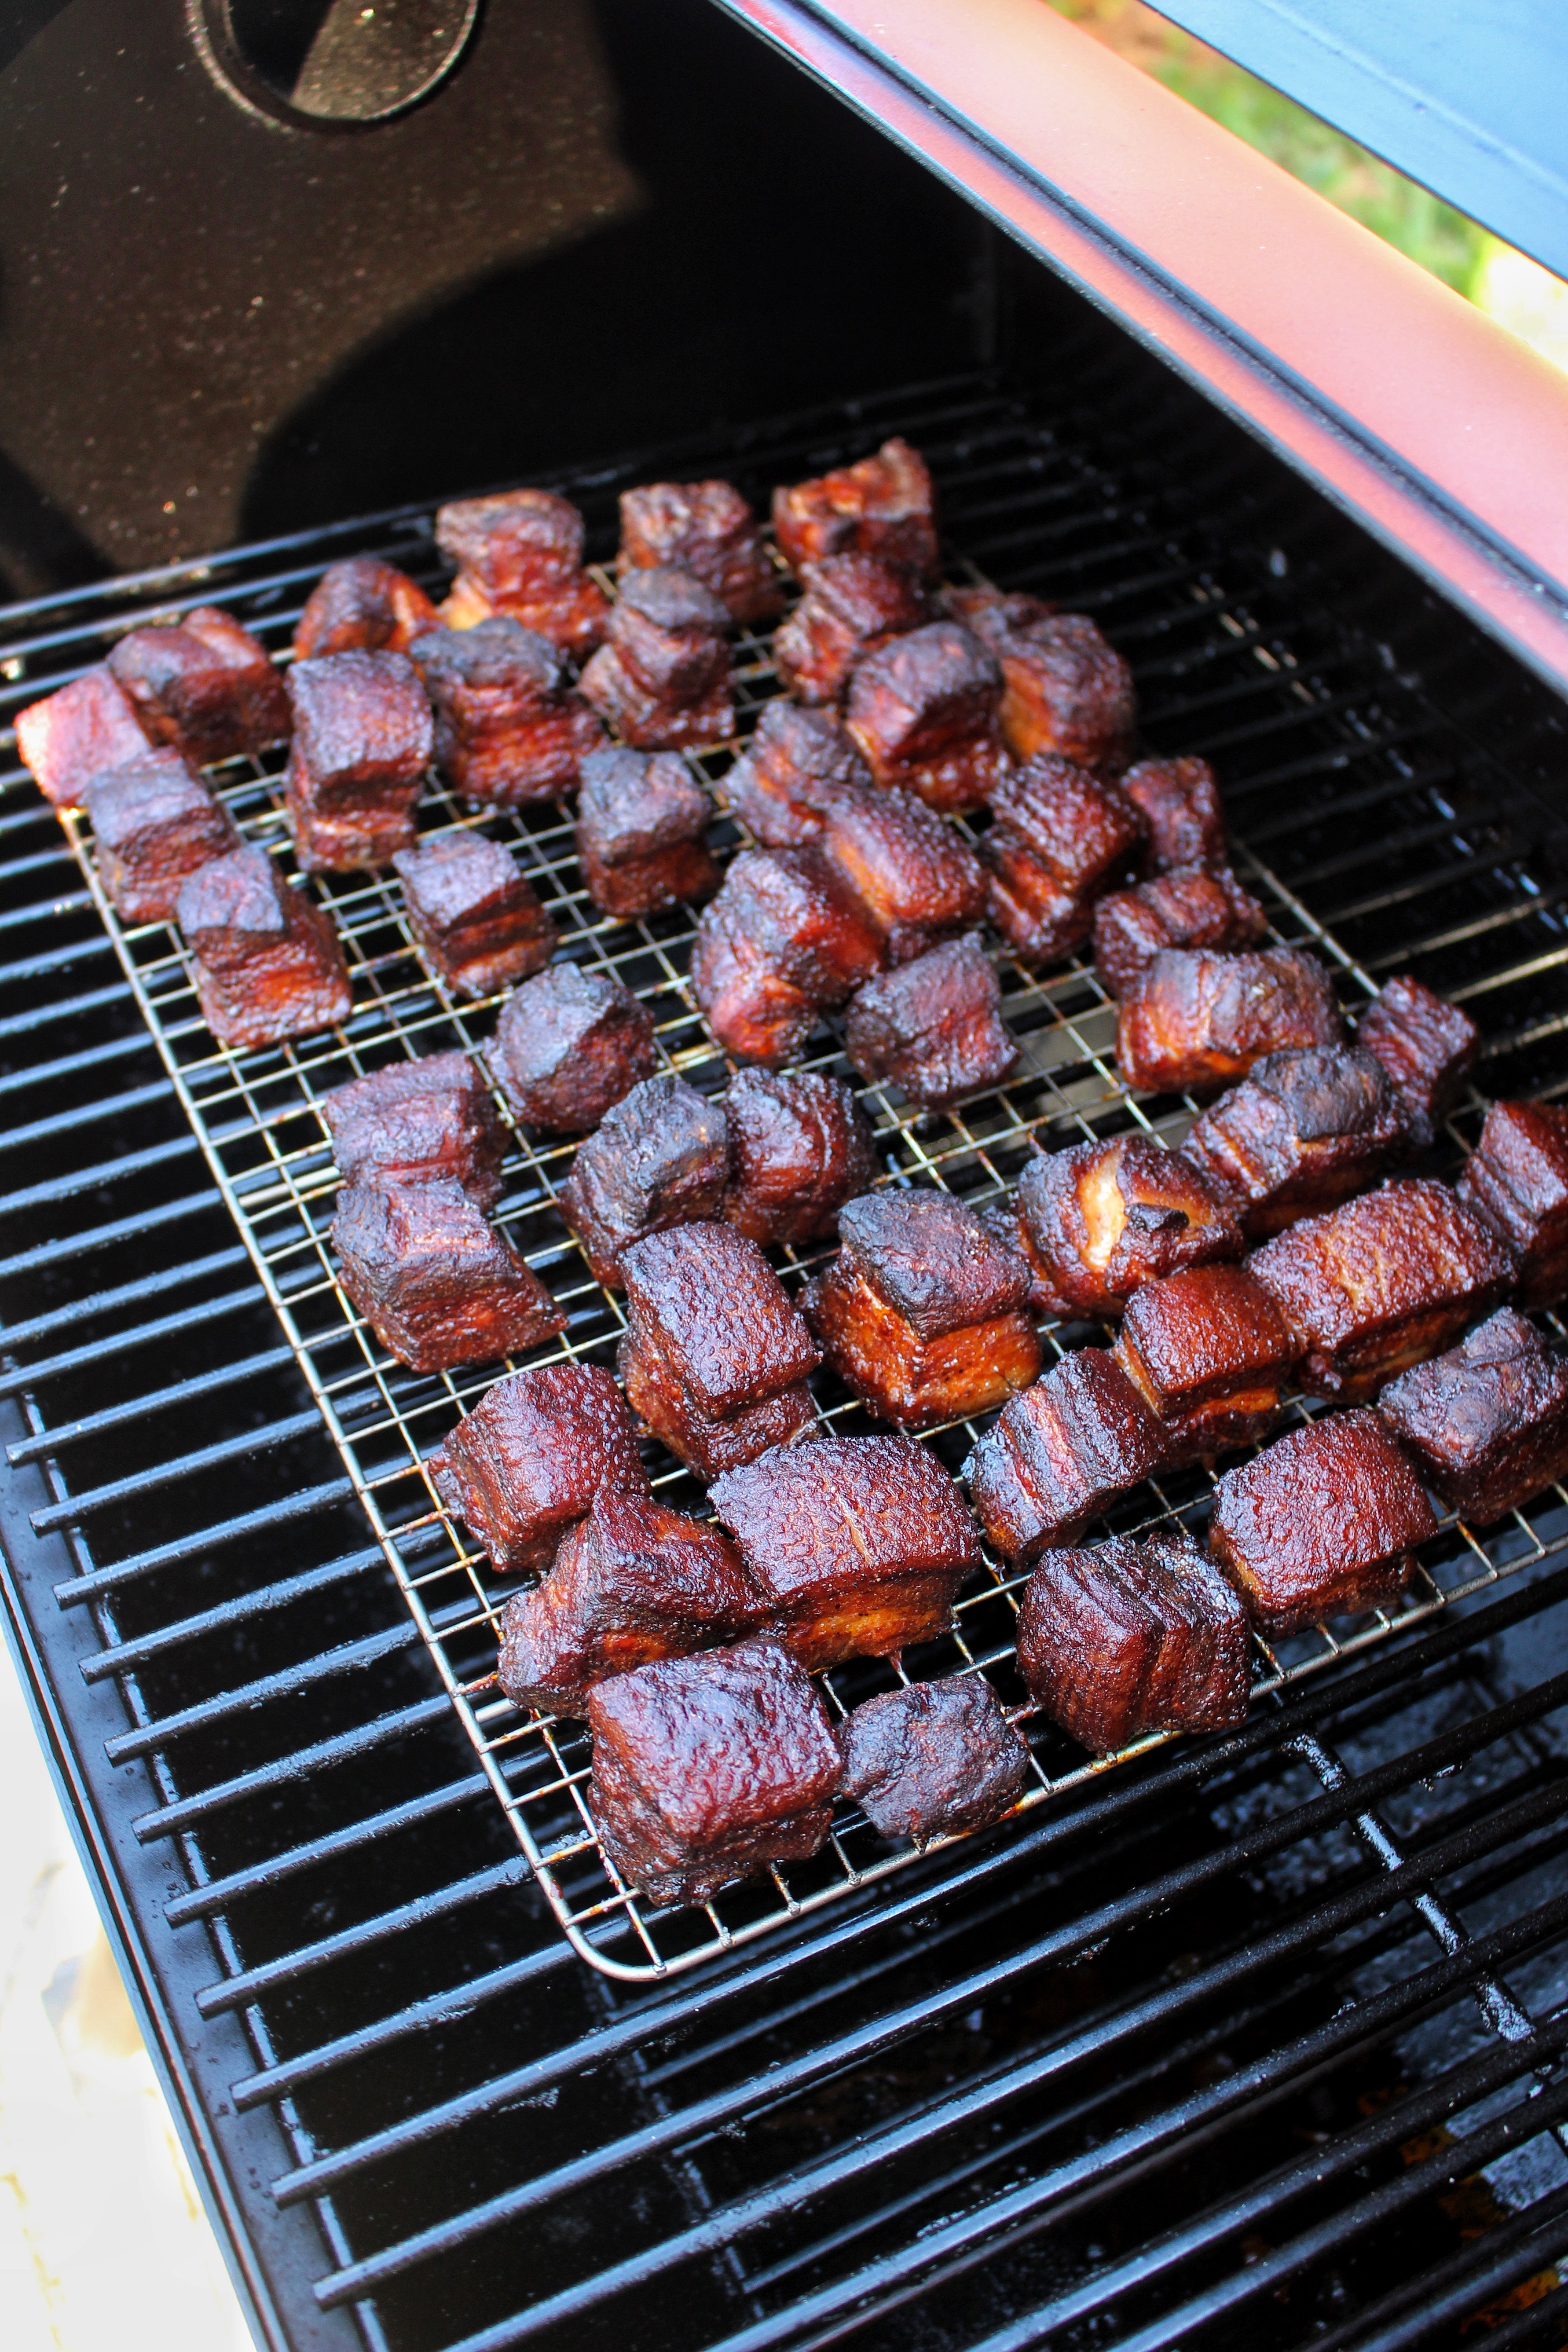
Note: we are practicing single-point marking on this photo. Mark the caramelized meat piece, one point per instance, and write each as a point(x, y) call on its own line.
point(266, 957)
point(1101, 1219)
point(663, 678)
point(532, 1458)
point(569, 1045)
point(853, 605)
point(924, 712)
point(799, 1148)
point(1486, 1423)
point(1184, 908)
point(1058, 839)
point(1061, 1453)
point(917, 881)
point(1066, 691)
point(632, 1582)
point(642, 827)
point(1181, 806)
point(933, 1759)
point(715, 1357)
point(1302, 1131)
point(1382, 1281)
point(933, 1027)
point(1517, 1178)
point(363, 606)
point(510, 729)
point(661, 1158)
point(362, 745)
point(1195, 1020)
point(922, 1312)
point(437, 1285)
point(1208, 1351)
point(414, 1120)
point(203, 684)
point(83, 730)
point(782, 939)
point(862, 1542)
point(472, 911)
point(705, 529)
point(154, 822)
point(708, 1770)
point(995, 614)
point(1324, 1522)
point(521, 553)
point(1426, 1045)
point(884, 505)
point(794, 769)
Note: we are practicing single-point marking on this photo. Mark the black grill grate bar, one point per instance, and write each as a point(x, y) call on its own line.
point(38, 1073)
point(141, 1335)
point(1523, 2246)
point(184, 1813)
point(115, 1416)
point(93, 1179)
point(289, 1682)
point(131, 1293)
point(64, 1008)
point(121, 1657)
point(76, 1507)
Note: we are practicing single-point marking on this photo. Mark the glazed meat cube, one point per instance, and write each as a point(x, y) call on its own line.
point(154, 822)
point(916, 880)
point(792, 771)
point(1066, 691)
point(472, 911)
point(663, 676)
point(266, 957)
point(363, 606)
point(532, 1458)
point(362, 745)
point(1517, 1178)
point(509, 730)
point(1487, 1425)
point(715, 1357)
point(1061, 1453)
point(81, 731)
point(521, 553)
point(1058, 839)
point(708, 1770)
point(922, 1313)
point(1300, 1132)
point(924, 712)
point(1195, 1020)
point(569, 1045)
point(1101, 1219)
point(632, 1582)
point(1382, 1281)
point(203, 684)
point(753, 1010)
point(1187, 907)
point(933, 1759)
point(782, 939)
point(1426, 1045)
point(1324, 1522)
point(642, 826)
point(1181, 806)
point(884, 505)
point(705, 529)
point(1208, 1351)
point(437, 1285)
point(415, 1120)
point(661, 1158)
point(853, 605)
point(995, 614)
point(799, 1148)
point(862, 1542)
point(933, 1027)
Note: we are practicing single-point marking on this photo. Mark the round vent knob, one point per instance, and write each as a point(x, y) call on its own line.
point(334, 64)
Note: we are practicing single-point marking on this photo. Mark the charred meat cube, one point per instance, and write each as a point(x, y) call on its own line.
point(569, 1045)
point(414, 1120)
point(711, 1768)
point(437, 1285)
point(533, 1457)
point(1101, 1219)
point(715, 1357)
point(472, 911)
point(853, 606)
point(933, 1027)
point(363, 606)
point(1301, 1131)
point(1057, 840)
point(661, 1158)
point(83, 730)
point(917, 881)
point(1208, 1351)
point(1181, 806)
point(782, 939)
point(790, 774)
point(705, 529)
point(1382, 1281)
point(509, 730)
point(862, 1542)
point(266, 957)
point(1487, 1425)
point(933, 1759)
point(521, 553)
point(203, 684)
point(154, 822)
point(1184, 908)
point(662, 678)
point(642, 828)
point(1195, 1020)
point(995, 614)
point(1426, 1045)
point(1517, 1178)
point(923, 1312)
point(1065, 690)
point(362, 745)
point(924, 712)
point(1061, 1453)
point(1324, 1522)
point(799, 1148)
point(883, 506)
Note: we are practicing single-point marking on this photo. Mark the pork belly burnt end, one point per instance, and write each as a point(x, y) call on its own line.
point(1517, 1178)
point(883, 506)
point(362, 736)
point(510, 729)
point(1058, 839)
point(1209, 1352)
point(708, 1769)
point(437, 1285)
point(642, 828)
point(527, 1464)
point(924, 712)
point(266, 957)
point(661, 1158)
point(414, 1120)
point(1323, 1523)
point(853, 606)
point(1061, 1453)
point(1301, 1131)
point(1426, 1045)
point(1101, 1219)
point(662, 678)
point(923, 1312)
point(84, 730)
point(782, 939)
point(799, 1148)
point(154, 822)
point(790, 773)
point(1382, 1281)
point(917, 882)
point(863, 1543)
point(569, 1045)
point(933, 1759)
point(521, 553)
point(1195, 1020)
point(706, 529)
point(203, 684)
point(1185, 909)
point(473, 911)
point(1181, 806)
point(933, 1027)
point(1487, 1425)
point(1066, 691)
point(365, 606)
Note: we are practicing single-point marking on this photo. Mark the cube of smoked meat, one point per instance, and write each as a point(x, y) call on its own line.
point(154, 822)
point(1517, 1178)
point(715, 1357)
point(1060, 837)
point(1208, 1351)
point(708, 1770)
point(924, 712)
point(933, 1759)
point(782, 939)
point(661, 1158)
point(509, 730)
point(1426, 1045)
point(361, 743)
point(437, 1285)
point(1195, 1020)
point(995, 614)
point(708, 530)
point(1323, 1523)
point(933, 1027)
point(569, 1045)
point(266, 957)
point(414, 1120)
point(923, 1312)
point(632, 1582)
point(1066, 691)
point(1184, 908)
point(863, 1543)
point(1487, 1425)
point(363, 605)
point(1130, 1638)
point(521, 553)
point(1101, 1219)
point(1301, 1131)
point(1382, 1281)
point(1061, 1453)
point(473, 911)
point(883, 506)
point(799, 1148)
point(853, 605)
point(642, 827)
point(662, 679)
point(531, 1459)
point(81, 731)
point(917, 881)
point(790, 774)
point(1181, 805)
point(203, 684)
